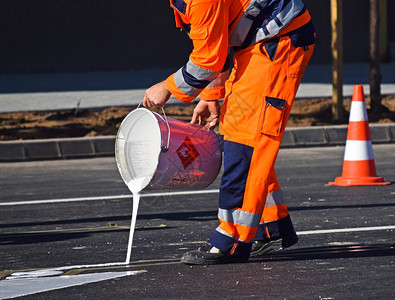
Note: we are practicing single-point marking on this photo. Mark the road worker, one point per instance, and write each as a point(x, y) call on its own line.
point(271, 42)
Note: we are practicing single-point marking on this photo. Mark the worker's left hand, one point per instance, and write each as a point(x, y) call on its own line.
point(157, 95)
point(207, 113)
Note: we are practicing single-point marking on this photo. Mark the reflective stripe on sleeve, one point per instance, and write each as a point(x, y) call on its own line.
point(222, 76)
point(280, 21)
point(220, 80)
point(268, 28)
point(192, 79)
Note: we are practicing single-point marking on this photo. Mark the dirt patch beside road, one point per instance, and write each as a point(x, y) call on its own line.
point(40, 125)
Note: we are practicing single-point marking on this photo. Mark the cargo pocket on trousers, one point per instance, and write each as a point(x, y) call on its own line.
point(273, 115)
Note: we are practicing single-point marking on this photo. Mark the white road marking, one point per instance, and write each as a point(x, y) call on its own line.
point(340, 230)
point(15, 286)
point(312, 232)
point(32, 282)
point(101, 198)
point(27, 283)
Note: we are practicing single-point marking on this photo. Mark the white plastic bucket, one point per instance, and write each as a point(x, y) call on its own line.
point(165, 153)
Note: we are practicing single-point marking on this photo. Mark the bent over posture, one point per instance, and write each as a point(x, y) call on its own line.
point(272, 42)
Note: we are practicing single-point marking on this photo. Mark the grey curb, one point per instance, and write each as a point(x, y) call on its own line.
point(66, 148)
point(333, 135)
point(63, 148)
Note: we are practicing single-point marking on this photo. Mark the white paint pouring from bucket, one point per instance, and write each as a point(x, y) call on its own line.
point(156, 152)
point(138, 146)
point(135, 186)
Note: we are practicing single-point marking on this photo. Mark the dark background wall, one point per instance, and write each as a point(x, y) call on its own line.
point(86, 35)
point(103, 35)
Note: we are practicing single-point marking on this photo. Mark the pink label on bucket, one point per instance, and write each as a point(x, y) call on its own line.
point(187, 153)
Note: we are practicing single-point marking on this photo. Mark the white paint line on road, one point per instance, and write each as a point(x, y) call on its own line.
point(50, 201)
point(340, 230)
point(312, 232)
point(32, 282)
point(25, 285)
point(101, 198)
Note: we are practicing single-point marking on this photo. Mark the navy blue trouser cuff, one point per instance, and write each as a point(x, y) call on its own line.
point(227, 244)
point(280, 228)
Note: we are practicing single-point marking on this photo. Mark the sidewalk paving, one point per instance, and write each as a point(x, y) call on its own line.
point(51, 92)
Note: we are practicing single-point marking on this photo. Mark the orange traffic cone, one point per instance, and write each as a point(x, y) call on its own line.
point(358, 166)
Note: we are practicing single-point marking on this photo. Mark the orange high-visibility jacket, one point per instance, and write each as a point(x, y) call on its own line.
point(216, 25)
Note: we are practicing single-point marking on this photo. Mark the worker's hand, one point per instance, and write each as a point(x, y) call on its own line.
point(157, 95)
point(206, 113)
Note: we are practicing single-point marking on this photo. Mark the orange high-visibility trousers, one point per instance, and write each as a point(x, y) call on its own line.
point(259, 96)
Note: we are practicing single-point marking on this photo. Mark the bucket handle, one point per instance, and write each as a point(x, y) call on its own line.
point(163, 148)
point(166, 148)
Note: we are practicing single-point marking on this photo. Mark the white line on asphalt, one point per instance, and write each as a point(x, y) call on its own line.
point(309, 232)
point(99, 198)
point(39, 281)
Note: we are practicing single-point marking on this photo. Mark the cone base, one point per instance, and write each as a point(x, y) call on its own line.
point(348, 181)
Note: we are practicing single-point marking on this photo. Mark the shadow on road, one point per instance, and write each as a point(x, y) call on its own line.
point(330, 252)
point(63, 234)
point(178, 216)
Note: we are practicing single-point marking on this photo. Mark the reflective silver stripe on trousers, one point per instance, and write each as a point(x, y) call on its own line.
point(244, 25)
point(197, 72)
point(240, 217)
point(274, 198)
point(229, 235)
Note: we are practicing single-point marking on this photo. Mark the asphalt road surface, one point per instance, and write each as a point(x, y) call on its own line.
point(64, 228)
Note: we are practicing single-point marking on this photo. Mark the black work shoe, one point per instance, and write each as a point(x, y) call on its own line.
point(273, 244)
point(203, 256)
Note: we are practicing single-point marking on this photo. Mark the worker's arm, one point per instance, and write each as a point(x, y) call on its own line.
point(209, 34)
